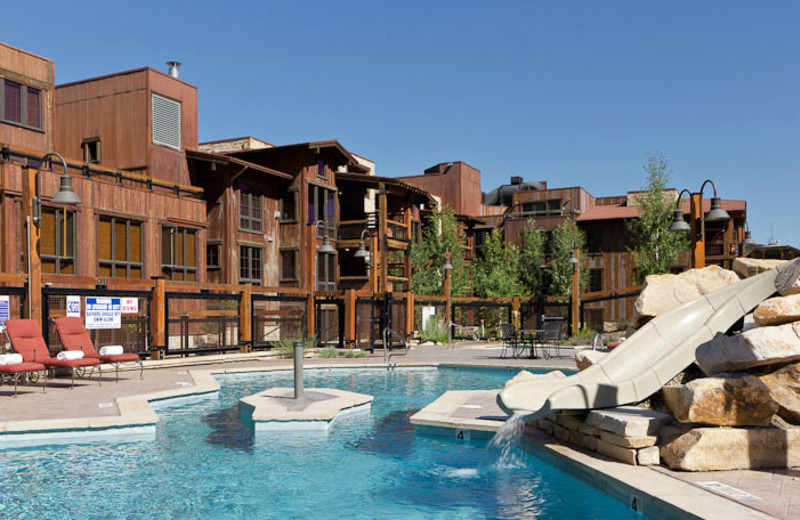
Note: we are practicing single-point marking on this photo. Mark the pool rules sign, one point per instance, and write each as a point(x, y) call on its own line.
point(103, 313)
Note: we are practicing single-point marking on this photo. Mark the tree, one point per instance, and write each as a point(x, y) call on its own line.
point(440, 234)
point(566, 237)
point(655, 248)
point(495, 270)
point(531, 259)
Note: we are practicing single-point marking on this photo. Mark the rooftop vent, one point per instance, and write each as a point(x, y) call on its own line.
point(174, 68)
point(516, 181)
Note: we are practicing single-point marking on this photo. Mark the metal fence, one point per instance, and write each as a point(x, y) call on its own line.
point(201, 322)
point(484, 317)
point(329, 320)
point(277, 318)
point(133, 333)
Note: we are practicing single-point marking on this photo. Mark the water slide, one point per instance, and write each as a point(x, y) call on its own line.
point(653, 355)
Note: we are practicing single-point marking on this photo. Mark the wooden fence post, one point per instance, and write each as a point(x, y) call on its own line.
point(158, 319)
point(245, 319)
point(349, 317)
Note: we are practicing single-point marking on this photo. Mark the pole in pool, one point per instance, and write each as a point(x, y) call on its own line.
point(298, 369)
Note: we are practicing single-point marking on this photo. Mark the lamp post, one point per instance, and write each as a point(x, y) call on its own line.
point(697, 222)
point(447, 267)
point(574, 260)
point(65, 195)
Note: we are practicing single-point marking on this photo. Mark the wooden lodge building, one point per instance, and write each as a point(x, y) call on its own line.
point(610, 264)
point(159, 209)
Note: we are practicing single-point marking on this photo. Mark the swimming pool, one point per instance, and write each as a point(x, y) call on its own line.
point(206, 463)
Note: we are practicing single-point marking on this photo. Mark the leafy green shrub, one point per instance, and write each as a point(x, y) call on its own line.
point(582, 337)
point(435, 331)
point(329, 352)
point(356, 353)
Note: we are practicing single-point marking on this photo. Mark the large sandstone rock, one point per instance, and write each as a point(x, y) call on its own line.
point(755, 347)
point(664, 292)
point(628, 421)
point(722, 401)
point(747, 267)
point(775, 311)
point(524, 375)
point(586, 358)
point(717, 449)
point(784, 389)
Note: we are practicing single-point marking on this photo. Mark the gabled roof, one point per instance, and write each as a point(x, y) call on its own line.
point(314, 146)
point(228, 160)
point(389, 181)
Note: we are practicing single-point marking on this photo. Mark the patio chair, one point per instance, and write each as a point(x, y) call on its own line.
point(74, 336)
point(508, 335)
point(550, 338)
point(26, 339)
point(18, 369)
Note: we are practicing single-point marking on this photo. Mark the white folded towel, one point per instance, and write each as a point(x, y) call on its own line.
point(10, 359)
point(69, 355)
point(111, 350)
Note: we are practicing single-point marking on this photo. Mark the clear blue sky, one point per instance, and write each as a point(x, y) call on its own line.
point(575, 93)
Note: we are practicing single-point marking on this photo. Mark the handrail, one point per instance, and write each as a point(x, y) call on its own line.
point(387, 333)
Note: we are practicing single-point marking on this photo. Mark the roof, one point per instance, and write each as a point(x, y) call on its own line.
point(123, 73)
point(332, 144)
point(374, 179)
point(621, 211)
point(227, 159)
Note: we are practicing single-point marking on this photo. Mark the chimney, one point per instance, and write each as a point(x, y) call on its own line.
point(174, 68)
point(516, 181)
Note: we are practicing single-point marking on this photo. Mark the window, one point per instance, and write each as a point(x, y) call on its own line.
point(288, 265)
point(119, 243)
point(250, 265)
point(179, 253)
point(212, 256)
point(326, 272)
point(595, 280)
point(20, 104)
point(321, 207)
point(289, 207)
point(320, 169)
point(166, 121)
point(554, 205)
point(250, 212)
point(57, 242)
point(91, 150)
point(594, 242)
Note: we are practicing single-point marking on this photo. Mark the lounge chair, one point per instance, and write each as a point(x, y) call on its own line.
point(26, 339)
point(18, 369)
point(74, 336)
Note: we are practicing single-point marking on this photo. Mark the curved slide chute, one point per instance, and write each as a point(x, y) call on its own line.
point(653, 355)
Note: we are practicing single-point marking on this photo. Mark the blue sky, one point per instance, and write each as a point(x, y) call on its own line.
point(574, 93)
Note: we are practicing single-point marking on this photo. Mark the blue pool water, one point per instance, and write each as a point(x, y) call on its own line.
point(206, 463)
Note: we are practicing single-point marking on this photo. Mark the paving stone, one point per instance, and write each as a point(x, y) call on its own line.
point(629, 442)
point(628, 421)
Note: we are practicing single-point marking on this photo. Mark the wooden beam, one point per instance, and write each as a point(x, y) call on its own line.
point(158, 319)
point(245, 319)
point(33, 262)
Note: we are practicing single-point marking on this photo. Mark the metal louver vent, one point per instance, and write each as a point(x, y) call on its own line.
point(166, 122)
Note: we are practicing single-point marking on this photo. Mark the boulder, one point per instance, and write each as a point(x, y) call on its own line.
point(586, 358)
point(722, 401)
point(664, 292)
point(719, 449)
point(524, 375)
point(628, 421)
point(755, 347)
point(784, 389)
point(776, 311)
point(747, 267)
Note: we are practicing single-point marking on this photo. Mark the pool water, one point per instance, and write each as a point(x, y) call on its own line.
point(207, 463)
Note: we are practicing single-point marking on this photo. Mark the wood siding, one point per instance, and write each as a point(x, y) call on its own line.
point(34, 71)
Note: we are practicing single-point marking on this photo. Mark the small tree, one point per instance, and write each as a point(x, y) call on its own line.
point(531, 258)
point(566, 237)
point(440, 234)
point(495, 271)
point(655, 248)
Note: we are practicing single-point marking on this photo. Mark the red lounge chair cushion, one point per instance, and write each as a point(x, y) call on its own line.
point(74, 336)
point(26, 339)
point(21, 367)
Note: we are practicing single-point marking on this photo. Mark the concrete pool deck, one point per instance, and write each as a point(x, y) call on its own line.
point(767, 494)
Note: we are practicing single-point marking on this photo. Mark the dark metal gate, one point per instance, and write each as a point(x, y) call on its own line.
point(329, 321)
point(277, 318)
point(201, 322)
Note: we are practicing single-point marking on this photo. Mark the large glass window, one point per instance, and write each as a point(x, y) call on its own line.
point(288, 265)
point(321, 204)
point(326, 272)
point(250, 265)
point(288, 207)
point(57, 241)
point(179, 253)
point(20, 104)
point(250, 212)
point(119, 243)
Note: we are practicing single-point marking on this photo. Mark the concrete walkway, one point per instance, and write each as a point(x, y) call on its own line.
point(774, 493)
